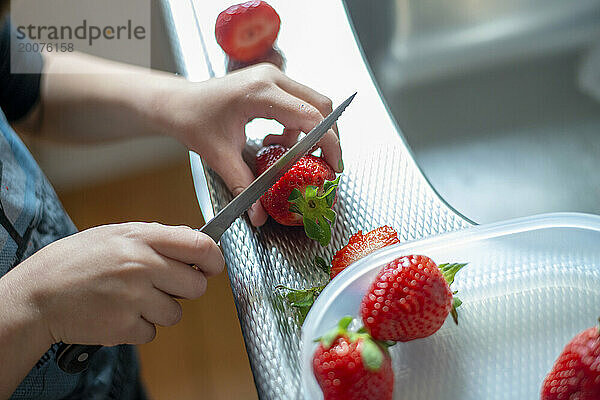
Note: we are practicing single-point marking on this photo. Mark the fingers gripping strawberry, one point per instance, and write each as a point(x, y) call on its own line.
point(409, 299)
point(352, 366)
point(304, 195)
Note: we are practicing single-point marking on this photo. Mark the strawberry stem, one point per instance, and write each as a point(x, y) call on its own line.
point(322, 265)
point(456, 302)
point(372, 351)
point(450, 270)
point(315, 208)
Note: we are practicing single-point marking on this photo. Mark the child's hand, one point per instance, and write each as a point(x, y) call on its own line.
point(112, 284)
point(209, 117)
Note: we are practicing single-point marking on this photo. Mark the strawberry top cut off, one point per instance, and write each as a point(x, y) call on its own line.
point(304, 195)
point(247, 31)
point(360, 246)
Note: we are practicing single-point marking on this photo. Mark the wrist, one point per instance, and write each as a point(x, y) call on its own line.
point(21, 314)
point(159, 102)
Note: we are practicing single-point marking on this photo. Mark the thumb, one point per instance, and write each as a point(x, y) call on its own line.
point(237, 176)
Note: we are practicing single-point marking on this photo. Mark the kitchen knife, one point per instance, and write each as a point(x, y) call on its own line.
point(74, 358)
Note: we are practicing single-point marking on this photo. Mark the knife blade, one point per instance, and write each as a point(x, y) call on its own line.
point(223, 220)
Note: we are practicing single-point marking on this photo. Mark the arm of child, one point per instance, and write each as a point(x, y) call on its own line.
point(94, 99)
point(106, 285)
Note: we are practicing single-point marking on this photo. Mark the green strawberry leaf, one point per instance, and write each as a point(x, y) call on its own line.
point(328, 185)
point(456, 302)
point(310, 192)
point(312, 229)
point(301, 299)
point(330, 215)
point(371, 355)
point(328, 338)
point(325, 231)
point(322, 264)
point(306, 300)
point(317, 215)
point(345, 322)
point(303, 313)
point(450, 270)
point(295, 195)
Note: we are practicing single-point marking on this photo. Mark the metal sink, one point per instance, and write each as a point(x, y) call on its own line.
point(498, 100)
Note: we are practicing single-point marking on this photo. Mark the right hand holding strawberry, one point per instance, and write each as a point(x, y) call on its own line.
point(228, 104)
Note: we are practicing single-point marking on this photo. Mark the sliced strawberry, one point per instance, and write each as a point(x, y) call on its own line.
point(247, 31)
point(361, 245)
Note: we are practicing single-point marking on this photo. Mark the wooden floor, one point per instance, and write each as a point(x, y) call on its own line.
point(203, 357)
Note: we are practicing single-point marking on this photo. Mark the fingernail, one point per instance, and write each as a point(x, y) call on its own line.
point(341, 166)
point(251, 212)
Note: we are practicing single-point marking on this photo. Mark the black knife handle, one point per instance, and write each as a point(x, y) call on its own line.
point(75, 358)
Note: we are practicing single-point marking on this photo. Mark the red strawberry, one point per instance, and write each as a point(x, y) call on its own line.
point(576, 372)
point(409, 299)
point(247, 31)
point(352, 366)
point(361, 245)
point(304, 195)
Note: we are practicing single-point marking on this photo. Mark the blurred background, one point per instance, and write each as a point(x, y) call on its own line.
point(498, 99)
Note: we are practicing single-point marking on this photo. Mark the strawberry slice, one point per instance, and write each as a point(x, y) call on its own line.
point(361, 245)
point(247, 31)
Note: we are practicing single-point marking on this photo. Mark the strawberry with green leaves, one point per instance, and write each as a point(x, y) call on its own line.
point(352, 366)
point(304, 195)
point(576, 373)
point(409, 299)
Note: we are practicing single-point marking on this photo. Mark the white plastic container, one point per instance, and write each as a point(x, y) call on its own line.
point(530, 286)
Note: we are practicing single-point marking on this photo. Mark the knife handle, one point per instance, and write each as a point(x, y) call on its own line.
point(75, 358)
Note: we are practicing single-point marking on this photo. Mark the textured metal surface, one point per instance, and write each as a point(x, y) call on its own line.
point(381, 185)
